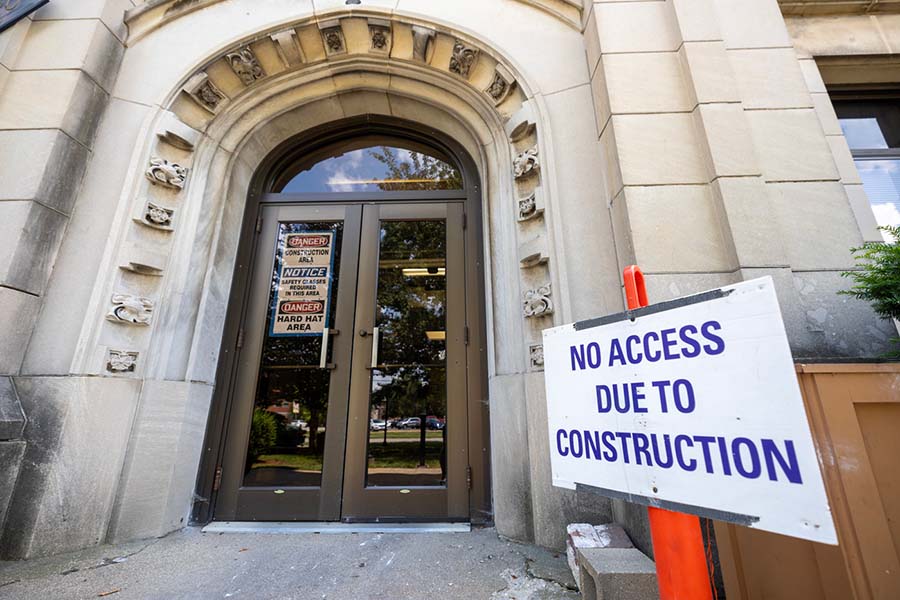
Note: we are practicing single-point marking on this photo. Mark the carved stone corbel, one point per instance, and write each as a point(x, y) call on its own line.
point(288, 47)
point(422, 37)
point(176, 133)
point(204, 92)
point(380, 35)
point(143, 260)
point(537, 302)
point(462, 58)
point(526, 163)
point(333, 37)
point(157, 217)
point(536, 356)
point(245, 65)
point(522, 123)
point(501, 85)
point(531, 206)
point(121, 361)
point(132, 310)
point(533, 253)
point(167, 174)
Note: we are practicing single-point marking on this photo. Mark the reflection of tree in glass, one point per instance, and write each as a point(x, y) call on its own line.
point(306, 387)
point(428, 172)
point(409, 305)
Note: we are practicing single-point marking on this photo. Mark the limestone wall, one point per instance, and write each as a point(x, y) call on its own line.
point(687, 136)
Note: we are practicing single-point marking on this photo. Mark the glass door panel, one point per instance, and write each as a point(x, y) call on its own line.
point(406, 445)
point(408, 400)
point(285, 444)
point(287, 431)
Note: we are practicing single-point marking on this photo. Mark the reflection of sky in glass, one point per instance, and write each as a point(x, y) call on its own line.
point(344, 173)
point(881, 180)
point(863, 133)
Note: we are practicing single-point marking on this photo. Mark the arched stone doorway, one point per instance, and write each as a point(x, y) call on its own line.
point(400, 261)
point(246, 100)
point(195, 111)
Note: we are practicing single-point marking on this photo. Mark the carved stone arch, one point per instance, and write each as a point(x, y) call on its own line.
point(188, 266)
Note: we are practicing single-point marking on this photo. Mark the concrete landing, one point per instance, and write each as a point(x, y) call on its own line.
point(346, 566)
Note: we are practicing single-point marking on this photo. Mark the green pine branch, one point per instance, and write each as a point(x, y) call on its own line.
point(877, 277)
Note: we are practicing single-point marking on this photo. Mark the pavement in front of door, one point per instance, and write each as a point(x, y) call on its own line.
point(346, 566)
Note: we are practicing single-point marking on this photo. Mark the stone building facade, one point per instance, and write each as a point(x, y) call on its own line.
point(695, 138)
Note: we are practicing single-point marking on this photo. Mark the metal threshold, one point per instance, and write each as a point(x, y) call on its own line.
point(306, 527)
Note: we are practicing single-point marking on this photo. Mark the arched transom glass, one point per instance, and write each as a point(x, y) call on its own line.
point(365, 166)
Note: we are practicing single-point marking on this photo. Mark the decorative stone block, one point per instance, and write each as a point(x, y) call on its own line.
point(462, 58)
point(245, 65)
point(167, 174)
point(531, 206)
point(536, 356)
point(204, 92)
point(157, 217)
point(380, 34)
point(121, 361)
point(132, 310)
point(537, 302)
point(333, 37)
point(526, 163)
point(501, 85)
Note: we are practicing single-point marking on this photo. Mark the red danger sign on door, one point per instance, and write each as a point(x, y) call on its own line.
point(303, 284)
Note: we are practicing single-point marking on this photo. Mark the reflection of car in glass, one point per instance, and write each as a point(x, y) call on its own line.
point(377, 425)
point(434, 423)
point(410, 423)
point(297, 424)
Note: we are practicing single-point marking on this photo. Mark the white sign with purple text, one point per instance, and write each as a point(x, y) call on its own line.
point(691, 405)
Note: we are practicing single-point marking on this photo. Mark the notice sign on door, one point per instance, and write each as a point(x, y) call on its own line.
point(691, 405)
point(303, 288)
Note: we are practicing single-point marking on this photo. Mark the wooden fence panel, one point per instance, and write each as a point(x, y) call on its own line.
point(854, 412)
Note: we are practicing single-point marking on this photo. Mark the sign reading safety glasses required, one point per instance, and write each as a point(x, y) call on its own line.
point(692, 406)
point(303, 288)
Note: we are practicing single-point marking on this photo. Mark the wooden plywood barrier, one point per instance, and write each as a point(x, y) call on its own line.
point(854, 412)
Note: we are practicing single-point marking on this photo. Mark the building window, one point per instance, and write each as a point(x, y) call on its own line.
point(872, 129)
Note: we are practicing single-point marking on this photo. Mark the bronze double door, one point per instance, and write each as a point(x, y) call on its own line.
point(349, 392)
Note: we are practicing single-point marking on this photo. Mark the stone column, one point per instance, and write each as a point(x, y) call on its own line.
point(57, 68)
point(718, 169)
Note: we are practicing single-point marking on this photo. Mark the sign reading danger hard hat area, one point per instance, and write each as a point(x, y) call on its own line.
point(303, 287)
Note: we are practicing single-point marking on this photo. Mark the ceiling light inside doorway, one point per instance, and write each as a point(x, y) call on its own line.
point(425, 272)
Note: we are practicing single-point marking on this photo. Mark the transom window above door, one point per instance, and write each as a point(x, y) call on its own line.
point(365, 165)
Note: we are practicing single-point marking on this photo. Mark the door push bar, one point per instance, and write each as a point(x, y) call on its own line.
point(323, 357)
point(375, 339)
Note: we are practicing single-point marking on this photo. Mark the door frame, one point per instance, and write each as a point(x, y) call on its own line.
point(310, 144)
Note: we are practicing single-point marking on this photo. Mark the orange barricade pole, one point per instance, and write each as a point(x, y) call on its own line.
point(681, 569)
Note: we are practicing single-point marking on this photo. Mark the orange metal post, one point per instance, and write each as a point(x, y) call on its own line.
point(681, 569)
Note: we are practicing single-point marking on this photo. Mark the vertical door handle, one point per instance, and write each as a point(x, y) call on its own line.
point(323, 359)
point(374, 347)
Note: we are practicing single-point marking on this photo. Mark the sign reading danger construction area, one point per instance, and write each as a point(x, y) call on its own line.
point(303, 288)
point(691, 405)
